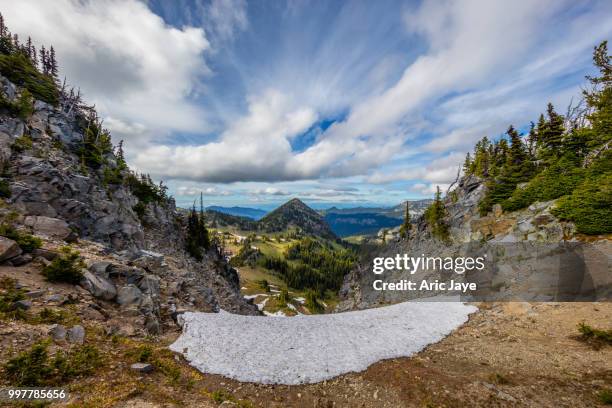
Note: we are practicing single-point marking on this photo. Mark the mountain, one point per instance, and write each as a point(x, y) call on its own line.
point(370, 220)
point(252, 213)
point(221, 219)
point(295, 213)
point(344, 225)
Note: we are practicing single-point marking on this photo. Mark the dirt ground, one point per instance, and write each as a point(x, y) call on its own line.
point(507, 354)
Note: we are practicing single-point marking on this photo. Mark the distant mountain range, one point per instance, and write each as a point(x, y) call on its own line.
point(333, 221)
point(252, 213)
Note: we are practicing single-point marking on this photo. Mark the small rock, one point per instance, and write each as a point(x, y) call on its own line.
point(76, 334)
point(56, 298)
point(21, 259)
point(23, 304)
point(58, 333)
point(33, 294)
point(142, 367)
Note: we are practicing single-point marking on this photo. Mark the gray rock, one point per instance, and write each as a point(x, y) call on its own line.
point(21, 260)
point(142, 367)
point(45, 253)
point(58, 333)
point(47, 226)
point(76, 334)
point(129, 295)
point(8, 249)
point(100, 268)
point(56, 298)
point(152, 324)
point(33, 294)
point(98, 286)
point(149, 284)
point(23, 304)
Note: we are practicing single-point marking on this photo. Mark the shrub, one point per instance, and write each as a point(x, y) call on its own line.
point(27, 242)
point(65, 268)
point(30, 368)
point(312, 302)
point(34, 367)
point(589, 206)
point(284, 298)
point(23, 107)
point(264, 285)
point(591, 333)
point(8, 296)
point(605, 397)
point(5, 190)
point(22, 143)
point(20, 71)
point(556, 181)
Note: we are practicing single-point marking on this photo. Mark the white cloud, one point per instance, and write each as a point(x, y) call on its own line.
point(442, 170)
point(256, 147)
point(271, 191)
point(196, 191)
point(135, 68)
point(428, 189)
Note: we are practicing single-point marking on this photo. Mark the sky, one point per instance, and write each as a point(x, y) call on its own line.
point(346, 103)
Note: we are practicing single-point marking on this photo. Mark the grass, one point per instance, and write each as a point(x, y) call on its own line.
point(9, 294)
point(35, 367)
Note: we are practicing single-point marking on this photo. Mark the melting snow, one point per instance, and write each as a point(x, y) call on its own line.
point(308, 349)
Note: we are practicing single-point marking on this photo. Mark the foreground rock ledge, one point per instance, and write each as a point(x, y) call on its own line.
point(309, 349)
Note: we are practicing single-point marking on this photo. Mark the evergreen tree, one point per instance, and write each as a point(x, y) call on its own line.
point(550, 135)
point(435, 217)
point(53, 69)
point(467, 164)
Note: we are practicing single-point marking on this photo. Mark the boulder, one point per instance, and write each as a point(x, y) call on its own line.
point(57, 333)
point(129, 295)
point(47, 226)
point(8, 249)
point(149, 284)
point(100, 268)
point(76, 334)
point(98, 286)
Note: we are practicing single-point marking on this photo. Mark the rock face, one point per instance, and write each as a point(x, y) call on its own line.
point(58, 197)
point(530, 256)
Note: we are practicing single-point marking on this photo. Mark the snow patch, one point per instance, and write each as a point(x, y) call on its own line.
point(309, 349)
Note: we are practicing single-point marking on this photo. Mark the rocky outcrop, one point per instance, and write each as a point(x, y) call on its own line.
point(530, 255)
point(56, 196)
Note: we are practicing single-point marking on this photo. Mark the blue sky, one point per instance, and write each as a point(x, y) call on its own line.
point(336, 102)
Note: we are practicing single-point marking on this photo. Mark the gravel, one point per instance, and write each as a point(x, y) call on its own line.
point(309, 349)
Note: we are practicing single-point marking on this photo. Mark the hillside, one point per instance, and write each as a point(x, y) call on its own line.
point(537, 208)
point(296, 214)
point(252, 213)
point(345, 225)
point(94, 265)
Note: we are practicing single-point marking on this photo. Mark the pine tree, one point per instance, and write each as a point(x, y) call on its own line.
point(53, 69)
point(435, 217)
point(467, 164)
point(44, 65)
point(406, 226)
point(550, 135)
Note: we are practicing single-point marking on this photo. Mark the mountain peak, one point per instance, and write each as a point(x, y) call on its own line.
point(295, 213)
